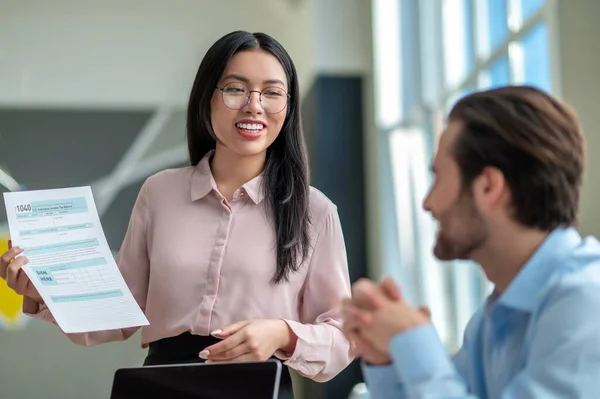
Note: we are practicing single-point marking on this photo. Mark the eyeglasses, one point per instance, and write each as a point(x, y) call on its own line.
point(236, 96)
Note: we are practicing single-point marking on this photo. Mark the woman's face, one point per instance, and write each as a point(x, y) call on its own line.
point(251, 129)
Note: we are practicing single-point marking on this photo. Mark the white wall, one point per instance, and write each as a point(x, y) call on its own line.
point(342, 36)
point(579, 61)
point(129, 52)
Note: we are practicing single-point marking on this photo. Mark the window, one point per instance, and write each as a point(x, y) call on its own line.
point(536, 56)
point(410, 159)
point(530, 7)
point(459, 57)
point(445, 49)
point(498, 74)
point(496, 15)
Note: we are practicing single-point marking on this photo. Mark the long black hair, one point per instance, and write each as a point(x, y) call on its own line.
point(286, 174)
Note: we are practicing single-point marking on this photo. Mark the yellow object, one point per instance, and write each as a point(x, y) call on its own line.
point(10, 303)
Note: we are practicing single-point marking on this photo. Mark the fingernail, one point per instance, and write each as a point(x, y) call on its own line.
point(204, 354)
point(216, 332)
point(209, 361)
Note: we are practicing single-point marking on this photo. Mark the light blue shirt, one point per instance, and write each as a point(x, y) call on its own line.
point(540, 339)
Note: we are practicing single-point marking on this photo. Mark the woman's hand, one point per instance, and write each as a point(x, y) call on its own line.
point(252, 340)
point(11, 270)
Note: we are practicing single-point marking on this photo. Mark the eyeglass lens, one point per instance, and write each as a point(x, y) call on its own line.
point(237, 96)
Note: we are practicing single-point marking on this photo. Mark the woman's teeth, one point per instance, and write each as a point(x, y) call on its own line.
point(251, 127)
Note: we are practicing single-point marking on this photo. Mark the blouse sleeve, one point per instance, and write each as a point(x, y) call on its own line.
point(322, 351)
point(134, 265)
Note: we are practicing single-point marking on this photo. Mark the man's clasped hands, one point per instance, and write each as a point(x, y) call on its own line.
point(374, 315)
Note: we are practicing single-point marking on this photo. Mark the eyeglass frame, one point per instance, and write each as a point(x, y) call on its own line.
point(288, 96)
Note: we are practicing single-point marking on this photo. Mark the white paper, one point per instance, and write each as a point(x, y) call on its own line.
point(70, 262)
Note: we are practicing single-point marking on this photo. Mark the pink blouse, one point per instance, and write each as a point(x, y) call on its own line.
point(196, 263)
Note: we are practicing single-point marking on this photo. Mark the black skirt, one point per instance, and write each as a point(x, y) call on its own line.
point(184, 348)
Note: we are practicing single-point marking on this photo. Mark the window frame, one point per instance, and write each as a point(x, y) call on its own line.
point(462, 283)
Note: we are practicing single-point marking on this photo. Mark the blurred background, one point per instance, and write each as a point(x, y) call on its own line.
point(94, 93)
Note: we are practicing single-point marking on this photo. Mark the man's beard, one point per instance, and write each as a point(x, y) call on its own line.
point(469, 232)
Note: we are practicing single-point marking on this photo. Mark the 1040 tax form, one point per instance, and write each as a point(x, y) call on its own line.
point(70, 262)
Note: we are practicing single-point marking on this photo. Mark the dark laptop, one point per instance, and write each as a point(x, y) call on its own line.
point(199, 381)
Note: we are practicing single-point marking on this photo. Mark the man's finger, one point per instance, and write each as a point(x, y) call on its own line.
point(363, 284)
point(367, 295)
point(360, 346)
point(354, 348)
point(355, 318)
point(346, 302)
point(391, 289)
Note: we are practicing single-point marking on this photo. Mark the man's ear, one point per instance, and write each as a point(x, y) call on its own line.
point(489, 188)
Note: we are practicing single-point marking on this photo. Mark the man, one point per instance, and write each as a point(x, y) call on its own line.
point(508, 172)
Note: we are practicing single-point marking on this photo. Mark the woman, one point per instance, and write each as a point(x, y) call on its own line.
point(234, 258)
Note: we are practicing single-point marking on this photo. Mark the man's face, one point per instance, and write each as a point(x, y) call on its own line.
point(462, 227)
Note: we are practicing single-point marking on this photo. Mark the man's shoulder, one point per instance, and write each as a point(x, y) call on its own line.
point(576, 282)
point(580, 269)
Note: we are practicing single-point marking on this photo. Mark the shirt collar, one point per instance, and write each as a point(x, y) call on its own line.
point(203, 182)
point(524, 291)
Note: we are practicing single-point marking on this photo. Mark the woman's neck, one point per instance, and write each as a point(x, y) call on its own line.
point(231, 170)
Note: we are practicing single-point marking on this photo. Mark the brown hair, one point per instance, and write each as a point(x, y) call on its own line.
point(534, 140)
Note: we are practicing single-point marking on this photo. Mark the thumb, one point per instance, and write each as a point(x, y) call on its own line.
point(230, 329)
point(367, 295)
point(391, 289)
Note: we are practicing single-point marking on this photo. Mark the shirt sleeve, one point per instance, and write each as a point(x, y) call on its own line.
point(421, 368)
point(562, 361)
point(382, 382)
point(322, 351)
point(134, 265)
